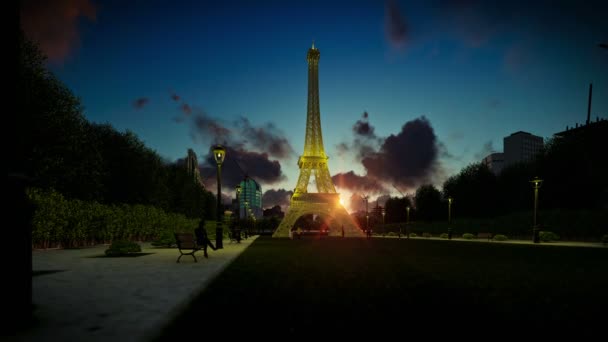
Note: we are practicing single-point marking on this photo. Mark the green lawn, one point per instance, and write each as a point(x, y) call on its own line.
point(291, 286)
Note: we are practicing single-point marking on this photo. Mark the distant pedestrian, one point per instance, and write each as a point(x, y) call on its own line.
point(202, 239)
point(342, 230)
point(299, 233)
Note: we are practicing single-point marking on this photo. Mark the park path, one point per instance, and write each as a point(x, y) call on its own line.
point(80, 296)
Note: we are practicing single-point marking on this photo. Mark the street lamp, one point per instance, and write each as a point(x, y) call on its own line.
point(450, 199)
point(219, 153)
point(366, 217)
point(383, 223)
point(238, 202)
point(407, 222)
point(536, 185)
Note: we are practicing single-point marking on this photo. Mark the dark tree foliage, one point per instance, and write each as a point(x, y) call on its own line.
point(474, 191)
point(188, 197)
point(396, 209)
point(574, 169)
point(428, 203)
point(52, 140)
point(58, 148)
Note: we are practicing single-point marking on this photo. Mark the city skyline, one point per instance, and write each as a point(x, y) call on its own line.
point(446, 81)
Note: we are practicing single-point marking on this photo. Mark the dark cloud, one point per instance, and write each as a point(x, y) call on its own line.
point(241, 133)
point(363, 128)
point(365, 141)
point(240, 162)
point(267, 138)
point(209, 129)
point(381, 200)
point(54, 24)
point(396, 27)
point(141, 102)
point(274, 197)
point(356, 203)
point(408, 158)
point(353, 182)
point(342, 148)
point(485, 150)
point(186, 109)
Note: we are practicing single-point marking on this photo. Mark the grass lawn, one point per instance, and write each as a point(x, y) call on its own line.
point(389, 284)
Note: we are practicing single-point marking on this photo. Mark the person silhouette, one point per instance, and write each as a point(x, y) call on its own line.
point(342, 230)
point(202, 239)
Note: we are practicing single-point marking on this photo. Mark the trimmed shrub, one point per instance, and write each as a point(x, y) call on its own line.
point(548, 236)
point(444, 235)
point(500, 237)
point(605, 238)
point(391, 234)
point(468, 236)
point(166, 239)
point(123, 247)
point(413, 235)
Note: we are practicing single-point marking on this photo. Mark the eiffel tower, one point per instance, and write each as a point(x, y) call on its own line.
point(313, 161)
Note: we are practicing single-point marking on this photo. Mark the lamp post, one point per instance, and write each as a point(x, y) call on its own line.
point(450, 199)
point(407, 222)
point(366, 217)
point(219, 153)
point(383, 222)
point(238, 202)
point(536, 183)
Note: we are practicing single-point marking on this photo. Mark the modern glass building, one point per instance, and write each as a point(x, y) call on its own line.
point(250, 199)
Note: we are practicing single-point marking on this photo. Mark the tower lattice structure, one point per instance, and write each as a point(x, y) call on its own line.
point(313, 162)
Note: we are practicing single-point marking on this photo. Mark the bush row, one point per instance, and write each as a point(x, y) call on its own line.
point(61, 222)
point(584, 225)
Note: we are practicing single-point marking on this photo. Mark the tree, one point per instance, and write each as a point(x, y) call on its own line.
point(396, 209)
point(475, 189)
point(428, 202)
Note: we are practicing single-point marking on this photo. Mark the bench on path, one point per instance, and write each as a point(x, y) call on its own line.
point(485, 236)
point(186, 244)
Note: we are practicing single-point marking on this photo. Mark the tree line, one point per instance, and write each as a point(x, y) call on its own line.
point(57, 148)
point(573, 169)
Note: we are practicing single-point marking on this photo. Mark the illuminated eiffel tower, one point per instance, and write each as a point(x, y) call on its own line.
point(326, 202)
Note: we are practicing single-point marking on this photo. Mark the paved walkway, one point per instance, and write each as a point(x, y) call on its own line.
point(92, 298)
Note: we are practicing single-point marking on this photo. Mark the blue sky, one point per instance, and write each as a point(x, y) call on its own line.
point(477, 71)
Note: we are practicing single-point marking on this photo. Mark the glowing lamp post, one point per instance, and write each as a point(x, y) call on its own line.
point(238, 202)
point(407, 222)
point(383, 223)
point(219, 153)
point(536, 183)
point(450, 200)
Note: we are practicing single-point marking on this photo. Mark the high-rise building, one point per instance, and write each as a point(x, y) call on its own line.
point(518, 147)
point(192, 167)
point(250, 199)
point(495, 162)
point(521, 147)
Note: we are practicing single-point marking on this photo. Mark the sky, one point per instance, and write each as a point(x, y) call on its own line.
point(410, 91)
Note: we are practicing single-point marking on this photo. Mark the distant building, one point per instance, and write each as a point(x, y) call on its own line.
point(192, 167)
point(518, 147)
point(250, 199)
point(495, 162)
point(598, 124)
point(521, 147)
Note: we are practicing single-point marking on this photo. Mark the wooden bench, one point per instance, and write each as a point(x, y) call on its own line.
point(485, 236)
point(186, 244)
